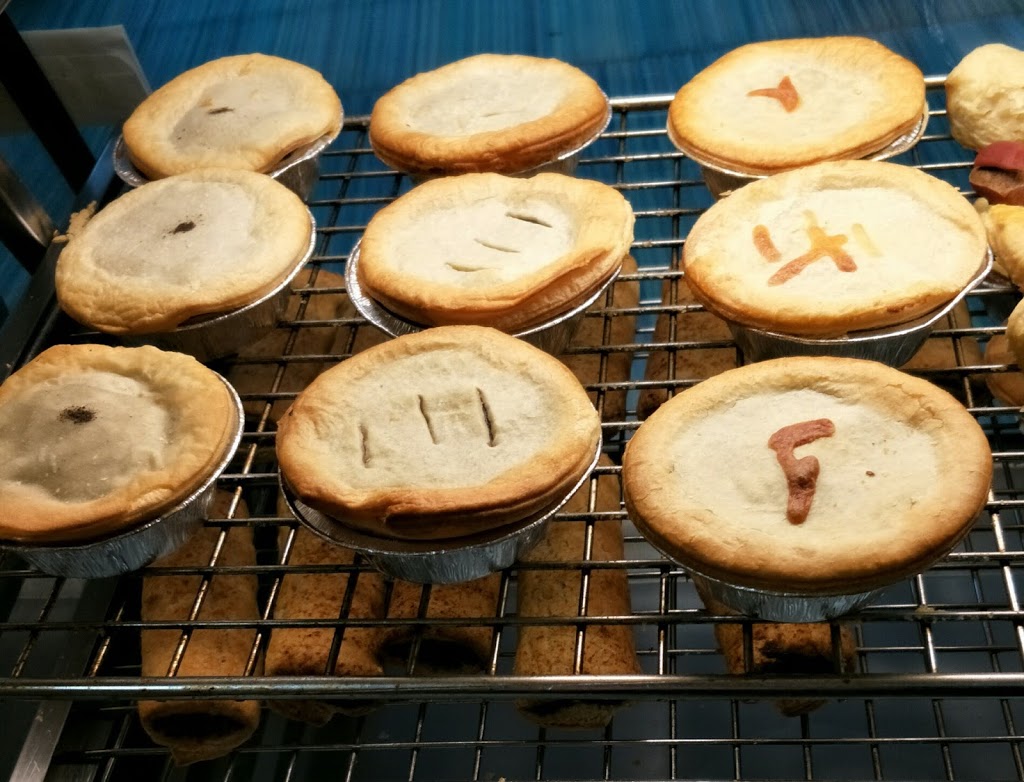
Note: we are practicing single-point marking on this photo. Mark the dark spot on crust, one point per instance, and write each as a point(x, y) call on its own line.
point(220, 110)
point(184, 227)
point(77, 415)
point(870, 474)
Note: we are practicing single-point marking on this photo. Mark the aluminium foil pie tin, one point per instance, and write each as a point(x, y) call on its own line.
point(721, 180)
point(133, 548)
point(893, 345)
point(552, 336)
point(298, 170)
point(449, 561)
point(211, 337)
point(565, 163)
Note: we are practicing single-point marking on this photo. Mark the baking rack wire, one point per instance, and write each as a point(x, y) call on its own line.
point(940, 658)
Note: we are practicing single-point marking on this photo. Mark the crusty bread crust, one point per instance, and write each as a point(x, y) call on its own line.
point(94, 439)
point(491, 112)
point(491, 250)
point(248, 111)
point(438, 434)
point(901, 479)
point(853, 97)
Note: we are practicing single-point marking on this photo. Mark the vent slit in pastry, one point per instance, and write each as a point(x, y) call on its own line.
point(528, 219)
point(492, 435)
point(491, 246)
point(364, 442)
point(460, 267)
point(430, 425)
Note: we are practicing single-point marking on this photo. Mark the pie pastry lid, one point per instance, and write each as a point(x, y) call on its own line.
point(137, 546)
point(892, 345)
point(248, 111)
point(490, 112)
point(903, 470)
point(773, 106)
point(450, 561)
point(835, 248)
point(552, 336)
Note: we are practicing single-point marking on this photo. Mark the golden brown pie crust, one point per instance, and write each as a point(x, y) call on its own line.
point(491, 112)
point(901, 479)
point(492, 250)
point(438, 434)
point(776, 105)
point(94, 439)
point(248, 111)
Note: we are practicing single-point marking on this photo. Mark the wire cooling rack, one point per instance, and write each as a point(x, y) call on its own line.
point(935, 691)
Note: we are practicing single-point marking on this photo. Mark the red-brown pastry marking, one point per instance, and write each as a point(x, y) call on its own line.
point(822, 246)
point(785, 94)
point(801, 474)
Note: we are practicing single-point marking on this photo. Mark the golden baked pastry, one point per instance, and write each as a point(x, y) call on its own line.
point(196, 244)
point(1008, 386)
point(1004, 226)
point(984, 94)
point(491, 112)
point(1015, 333)
point(776, 105)
point(94, 439)
point(811, 475)
point(248, 111)
point(492, 250)
point(438, 434)
point(833, 248)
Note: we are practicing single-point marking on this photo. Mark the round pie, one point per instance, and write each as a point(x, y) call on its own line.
point(248, 111)
point(493, 250)
point(194, 244)
point(439, 434)
point(834, 248)
point(984, 93)
point(94, 439)
point(776, 105)
point(808, 475)
point(491, 112)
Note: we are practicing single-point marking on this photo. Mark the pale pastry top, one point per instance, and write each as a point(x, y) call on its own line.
point(835, 247)
point(489, 112)
point(776, 105)
point(94, 438)
point(194, 244)
point(246, 111)
point(446, 431)
point(985, 96)
point(493, 250)
point(903, 469)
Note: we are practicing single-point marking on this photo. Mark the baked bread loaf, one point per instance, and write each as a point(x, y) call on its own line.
point(248, 111)
point(1004, 226)
point(192, 245)
point(834, 248)
point(1008, 387)
point(550, 649)
point(492, 250)
point(985, 95)
point(199, 729)
point(776, 105)
point(95, 439)
point(1015, 333)
point(491, 112)
point(810, 475)
point(438, 434)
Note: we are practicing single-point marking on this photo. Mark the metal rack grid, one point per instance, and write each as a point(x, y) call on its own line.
point(940, 657)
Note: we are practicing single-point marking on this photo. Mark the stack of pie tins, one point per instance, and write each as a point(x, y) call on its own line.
point(199, 262)
point(251, 112)
point(441, 455)
point(526, 256)
point(794, 490)
point(109, 456)
point(774, 106)
point(849, 258)
point(510, 114)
